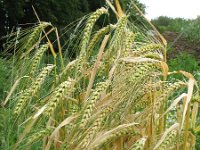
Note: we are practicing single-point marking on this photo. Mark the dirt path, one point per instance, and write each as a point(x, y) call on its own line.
point(180, 45)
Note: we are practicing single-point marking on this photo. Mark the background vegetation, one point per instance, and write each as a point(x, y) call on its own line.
point(60, 13)
point(189, 28)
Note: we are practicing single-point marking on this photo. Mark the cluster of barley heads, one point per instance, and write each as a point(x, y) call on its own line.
point(116, 93)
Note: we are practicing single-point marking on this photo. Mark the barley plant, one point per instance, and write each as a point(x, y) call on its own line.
point(116, 93)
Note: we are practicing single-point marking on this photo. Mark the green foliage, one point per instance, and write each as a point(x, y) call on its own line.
point(164, 23)
point(5, 72)
point(189, 28)
point(58, 12)
point(193, 30)
point(51, 10)
point(184, 61)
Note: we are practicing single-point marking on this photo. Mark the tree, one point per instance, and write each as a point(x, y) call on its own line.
point(58, 12)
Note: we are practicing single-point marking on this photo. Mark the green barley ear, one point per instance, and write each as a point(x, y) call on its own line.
point(89, 26)
point(169, 89)
point(99, 35)
point(110, 54)
point(38, 135)
point(86, 37)
point(90, 104)
point(33, 38)
point(37, 58)
point(64, 89)
point(121, 24)
point(169, 141)
point(152, 48)
point(128, 44)
point(95, 127)
point(139, 144)
point(30, 92)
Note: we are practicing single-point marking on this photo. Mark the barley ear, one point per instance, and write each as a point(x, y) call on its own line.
point(38, 135)
point(88, 28)
point(37, 58)
point(64, 89)
point(139, 144)
point(99, 35)
point(26, 96)
point(33, 38)
point(128, 44)
point(86, 37)
point(95, 127)
point(90, 104)
point(113, 134)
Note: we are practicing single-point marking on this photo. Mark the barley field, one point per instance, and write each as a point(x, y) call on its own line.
point(115, 93)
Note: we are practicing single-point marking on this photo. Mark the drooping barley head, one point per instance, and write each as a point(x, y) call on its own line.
point(32, 90)
point(37, 58)
point(90, 104)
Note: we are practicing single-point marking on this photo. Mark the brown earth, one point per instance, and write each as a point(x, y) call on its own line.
point(180, 44)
